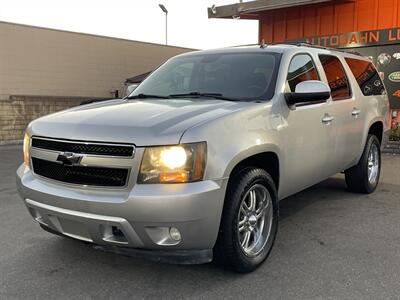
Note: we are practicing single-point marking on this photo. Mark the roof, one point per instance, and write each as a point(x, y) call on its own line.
point(250, 9)
point(276, 48)
point(239, 49)
point(90, 34)
point(137, 78)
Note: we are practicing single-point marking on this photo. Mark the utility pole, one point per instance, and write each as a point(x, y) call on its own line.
point(164, 9)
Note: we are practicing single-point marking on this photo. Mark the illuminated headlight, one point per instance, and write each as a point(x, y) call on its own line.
point(173, 164)
point(27, 141)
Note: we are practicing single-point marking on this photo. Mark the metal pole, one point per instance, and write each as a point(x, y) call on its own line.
point(166, 28)
point(165, 10)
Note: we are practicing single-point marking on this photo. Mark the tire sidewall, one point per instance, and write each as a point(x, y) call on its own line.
point(259, 177)
point(372, 139)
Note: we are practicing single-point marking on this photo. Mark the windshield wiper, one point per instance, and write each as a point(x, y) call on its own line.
point(203, 95)
point(147, 96)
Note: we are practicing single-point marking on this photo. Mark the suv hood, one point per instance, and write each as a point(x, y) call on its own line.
point(143, 123)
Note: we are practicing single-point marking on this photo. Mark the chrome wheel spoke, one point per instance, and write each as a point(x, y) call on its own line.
point(260, 214)
point(244, 209)
point(261, 210)
point(373, 164)
point(242, 226)
point(252, 206)
point(246, 239)
point(256, 233)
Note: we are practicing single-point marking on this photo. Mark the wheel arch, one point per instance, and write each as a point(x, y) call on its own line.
point(267, 160)
point(376, 128)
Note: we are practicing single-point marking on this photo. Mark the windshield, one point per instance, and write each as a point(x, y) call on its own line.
point(240, 76)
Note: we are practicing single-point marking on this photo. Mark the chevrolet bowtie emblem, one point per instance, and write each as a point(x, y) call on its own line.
point(69, 158)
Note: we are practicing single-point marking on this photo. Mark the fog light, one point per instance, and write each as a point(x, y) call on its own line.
point(175, 234)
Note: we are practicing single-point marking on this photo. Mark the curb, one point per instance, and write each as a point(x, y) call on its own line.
point(11, 142)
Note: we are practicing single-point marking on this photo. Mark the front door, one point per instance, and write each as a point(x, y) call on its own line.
point(309, 135)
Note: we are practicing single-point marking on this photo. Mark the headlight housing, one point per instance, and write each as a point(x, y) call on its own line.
point(173, 164)
point(27, 142)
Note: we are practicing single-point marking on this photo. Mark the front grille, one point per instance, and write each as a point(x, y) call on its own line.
point(84, 147)
point(96, 176)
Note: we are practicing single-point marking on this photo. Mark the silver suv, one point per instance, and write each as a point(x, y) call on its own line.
point(192, 164)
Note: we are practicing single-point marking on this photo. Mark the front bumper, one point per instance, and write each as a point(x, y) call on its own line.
point(139, 218)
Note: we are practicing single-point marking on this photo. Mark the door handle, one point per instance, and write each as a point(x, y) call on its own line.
point(327, 119)
point(355, 113)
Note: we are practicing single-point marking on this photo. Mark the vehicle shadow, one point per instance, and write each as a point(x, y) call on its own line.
point(330, 190)
point(333, 188)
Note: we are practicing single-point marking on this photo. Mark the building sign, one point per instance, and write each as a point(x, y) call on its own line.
point(387, 60)
point(395, 76)
point(356, 39)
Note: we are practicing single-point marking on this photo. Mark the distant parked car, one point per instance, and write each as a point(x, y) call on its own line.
point(130, 88)
point(133, 82)
point(192, 164)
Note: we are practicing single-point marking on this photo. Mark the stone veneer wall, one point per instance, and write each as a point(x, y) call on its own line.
point(17, 111)
point(392, 147)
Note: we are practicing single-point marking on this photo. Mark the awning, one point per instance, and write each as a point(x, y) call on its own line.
point(250, 9)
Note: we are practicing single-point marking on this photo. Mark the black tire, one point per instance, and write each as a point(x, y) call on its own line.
point(228, 251)
point(357, 177)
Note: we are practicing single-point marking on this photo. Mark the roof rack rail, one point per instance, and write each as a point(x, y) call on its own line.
point(327, 48)
point(244, 45)
point(262, 44)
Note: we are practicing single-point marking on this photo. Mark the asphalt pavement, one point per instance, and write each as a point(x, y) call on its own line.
point(331, 244)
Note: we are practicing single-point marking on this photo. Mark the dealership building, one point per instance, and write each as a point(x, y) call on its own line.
point(370, 27)
point(45, 70)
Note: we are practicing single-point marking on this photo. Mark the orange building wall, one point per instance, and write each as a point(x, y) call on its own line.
point(341, 16)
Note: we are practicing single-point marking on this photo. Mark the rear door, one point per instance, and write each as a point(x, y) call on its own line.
point(347, 111)
point(368, 88)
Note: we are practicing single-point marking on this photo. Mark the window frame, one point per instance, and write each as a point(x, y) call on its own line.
point(345, 74)
point(355, 78)
point(312, 60)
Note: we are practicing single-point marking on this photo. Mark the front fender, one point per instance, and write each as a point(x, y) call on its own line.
point(235, 137)
point(246, 153)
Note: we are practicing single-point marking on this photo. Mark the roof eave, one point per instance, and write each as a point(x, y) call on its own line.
point(250, 9)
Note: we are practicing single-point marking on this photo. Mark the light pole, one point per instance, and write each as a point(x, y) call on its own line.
point(166, 22)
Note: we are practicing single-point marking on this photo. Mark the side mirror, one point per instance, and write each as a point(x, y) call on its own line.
point(130, 88)
point(310, 91)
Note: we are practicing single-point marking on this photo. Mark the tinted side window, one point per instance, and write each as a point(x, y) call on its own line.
point(336, 77)
point(301, 68)
point(367, 77)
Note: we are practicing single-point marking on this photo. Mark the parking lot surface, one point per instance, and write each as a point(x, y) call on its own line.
point(331, 244)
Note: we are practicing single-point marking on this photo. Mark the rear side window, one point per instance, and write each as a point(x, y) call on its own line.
point(367, 77)
point(301, 68)
point(336, 77)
